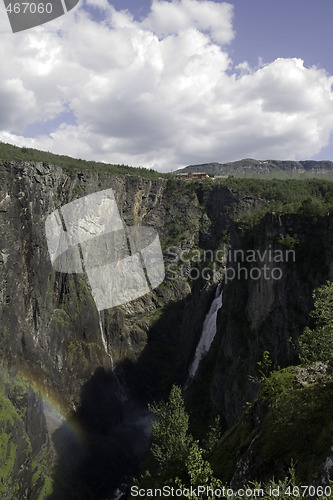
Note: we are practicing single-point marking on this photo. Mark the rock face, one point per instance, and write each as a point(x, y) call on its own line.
point(262, 314)
point(50, 328)
point(288, 426)
point(51, 331)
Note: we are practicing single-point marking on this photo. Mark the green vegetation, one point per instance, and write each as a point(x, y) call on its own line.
point(296, 421)
point(249, 168)
point(309, 198)
point(68, 164)
point(317, 344)
point(299, 420)
point(290, 241)
point(15, 446)
point(40, 467)
point(286, 489)
point(10, 420)
point(176, 459)
point(223, 458)
point(294, 406)
point(294, 411)
point(7, 457)
point(72, 305)
point(277, 384)
point(294, 418)
point(61, 317)
point(286, 192)
point(171, 442)
point(177, 229)
point(264, 368)
point(47, 488)
point(181, 221)
point(79, 351)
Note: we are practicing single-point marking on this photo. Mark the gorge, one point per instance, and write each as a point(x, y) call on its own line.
point(75, 382)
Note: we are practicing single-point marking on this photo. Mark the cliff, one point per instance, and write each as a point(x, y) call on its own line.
point(50, 324)
point(287, 427)
point(52, 333)
point(51, 329)
point(261, 314)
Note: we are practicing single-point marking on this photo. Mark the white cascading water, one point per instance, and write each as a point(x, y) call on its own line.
point(208, 333)
point(103, 339)
point(121, 390)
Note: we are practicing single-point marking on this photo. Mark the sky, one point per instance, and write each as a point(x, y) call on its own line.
point(168, 83)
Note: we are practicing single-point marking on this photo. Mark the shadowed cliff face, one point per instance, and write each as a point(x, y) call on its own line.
point(112, 436)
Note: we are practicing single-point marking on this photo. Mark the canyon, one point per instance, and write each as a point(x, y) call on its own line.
point(75, 382)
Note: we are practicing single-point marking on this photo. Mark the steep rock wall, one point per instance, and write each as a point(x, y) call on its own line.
point(49, 325)
point(262, 314)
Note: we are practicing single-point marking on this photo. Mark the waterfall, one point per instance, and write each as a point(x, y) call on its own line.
point(121, 390)
point(103, 339)
point(208, 333)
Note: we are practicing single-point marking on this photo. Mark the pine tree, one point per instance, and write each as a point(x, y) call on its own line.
point(317, 344)
point(171, 440)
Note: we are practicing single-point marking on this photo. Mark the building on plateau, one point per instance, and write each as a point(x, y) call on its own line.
point(193, 175)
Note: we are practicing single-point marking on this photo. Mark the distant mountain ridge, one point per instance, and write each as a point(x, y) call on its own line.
point(266, 167)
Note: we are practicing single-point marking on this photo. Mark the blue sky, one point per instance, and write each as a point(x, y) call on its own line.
point(165, 84)
point(284, 29)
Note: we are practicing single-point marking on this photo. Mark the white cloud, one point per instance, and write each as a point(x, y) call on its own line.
point(159, 93)
point(168, 18)
point(13, 98)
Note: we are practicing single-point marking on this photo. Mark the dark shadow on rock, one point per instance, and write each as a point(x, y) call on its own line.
point(102, 444)
point(171, 346)
point(112, 423)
